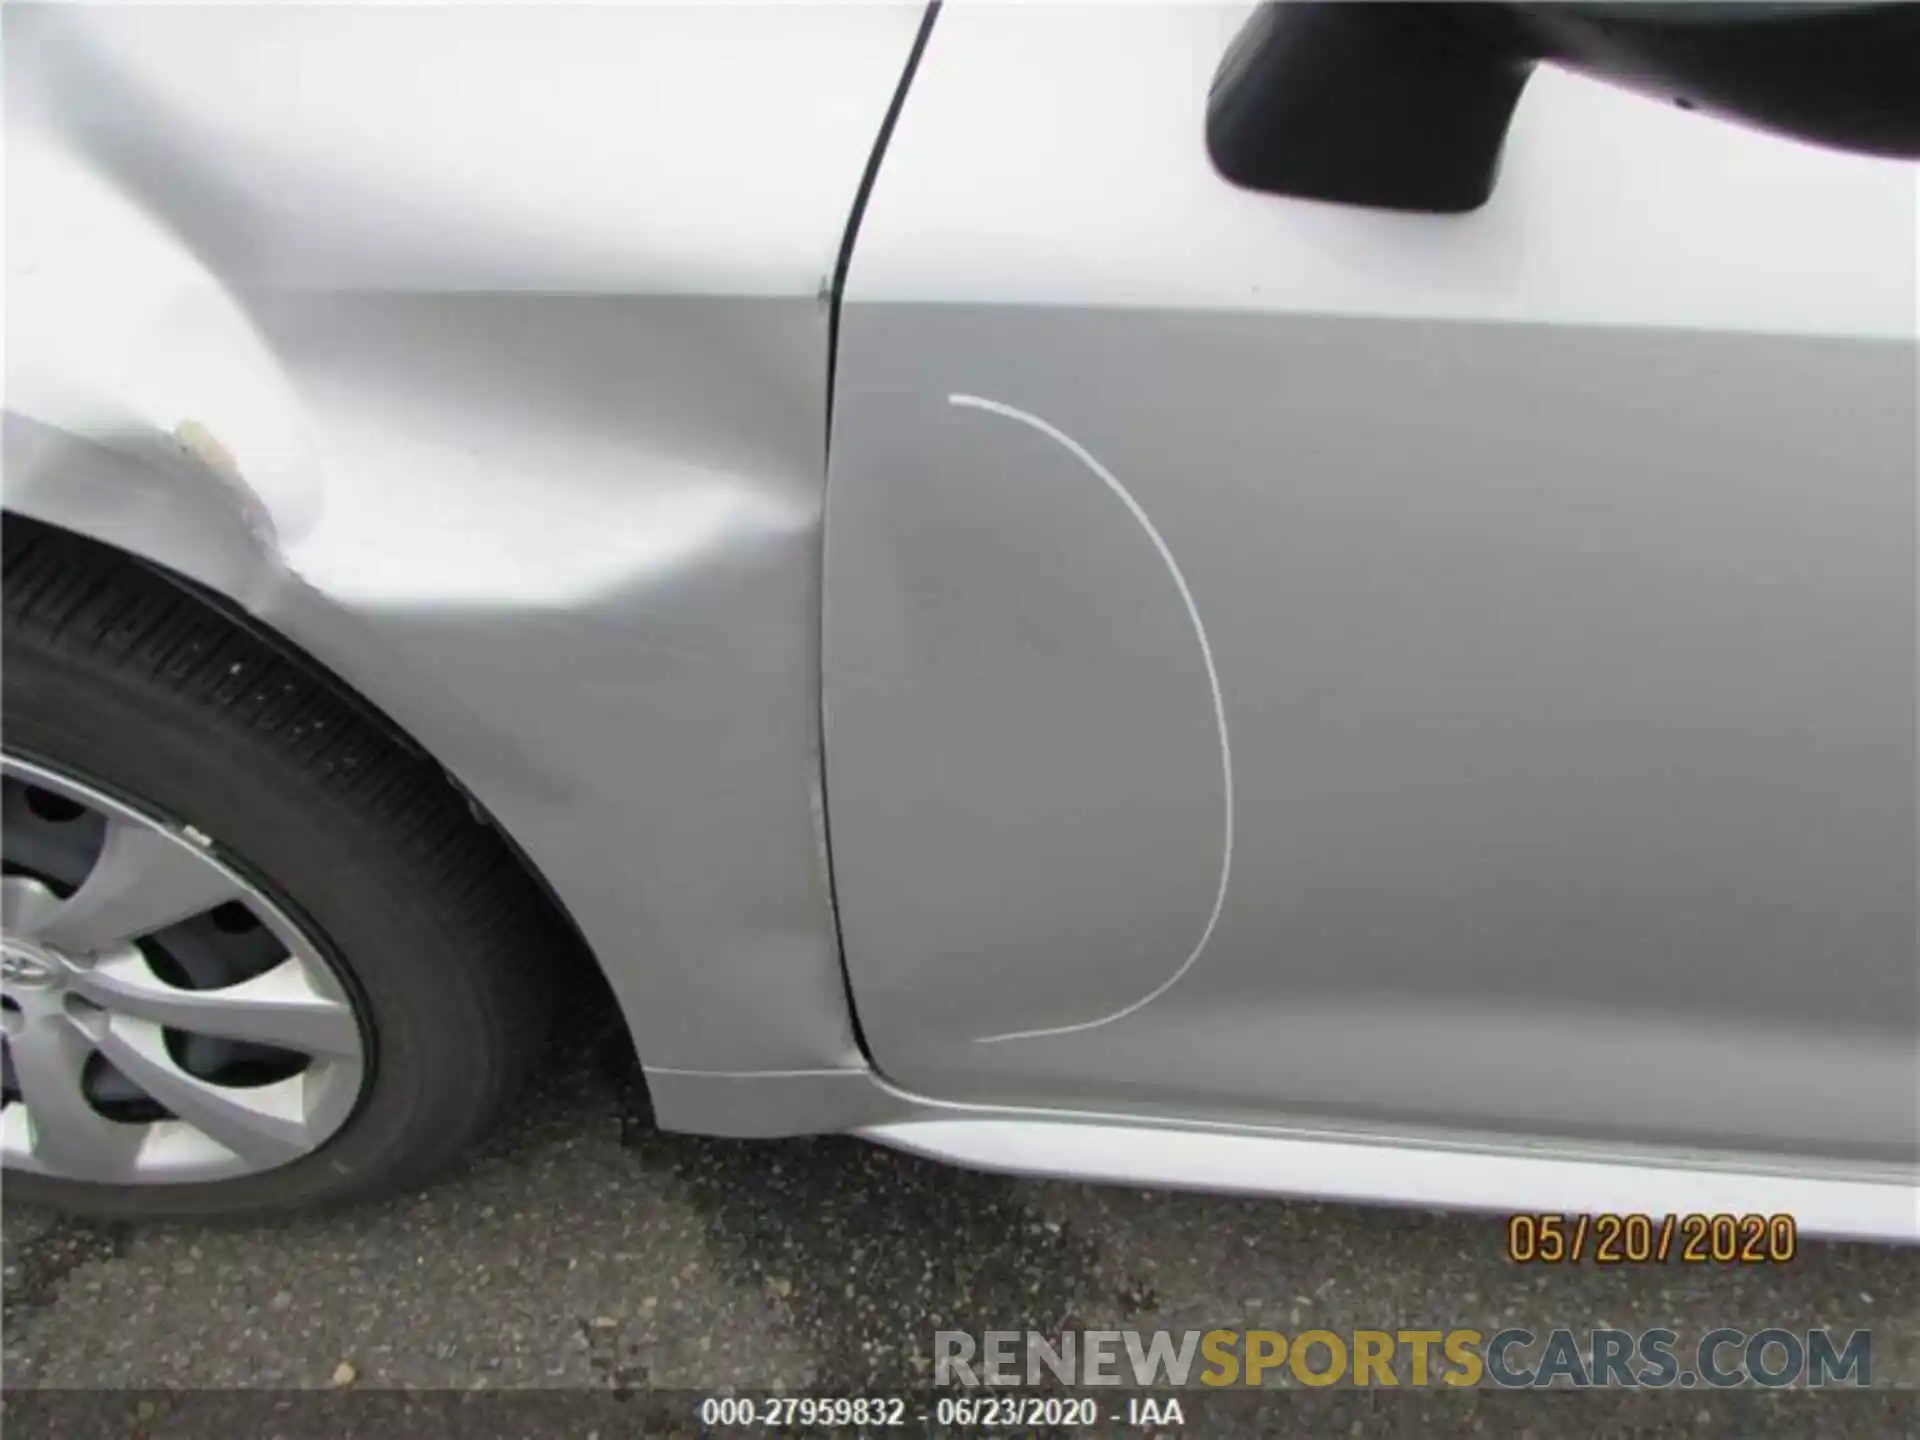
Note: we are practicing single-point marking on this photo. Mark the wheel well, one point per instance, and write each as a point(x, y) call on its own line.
point(22, 532)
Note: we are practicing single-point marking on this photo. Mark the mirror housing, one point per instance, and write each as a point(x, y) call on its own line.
point(1406, 106)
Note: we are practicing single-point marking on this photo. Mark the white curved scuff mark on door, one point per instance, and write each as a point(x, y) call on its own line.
point(1080, 453)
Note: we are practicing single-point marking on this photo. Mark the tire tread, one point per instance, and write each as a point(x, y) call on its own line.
point(108, 611)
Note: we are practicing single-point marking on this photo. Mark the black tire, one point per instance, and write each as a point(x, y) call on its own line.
point(133, 683)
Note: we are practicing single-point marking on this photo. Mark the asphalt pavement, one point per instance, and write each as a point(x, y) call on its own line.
point(584, 1250)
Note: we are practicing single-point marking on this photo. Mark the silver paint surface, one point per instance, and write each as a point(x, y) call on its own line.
point(1449, 1175)
point(482, 352)
point(1556, 563)
point(1559, 567)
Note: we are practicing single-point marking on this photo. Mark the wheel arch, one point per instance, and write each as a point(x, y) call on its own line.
point(164, 509)
point(229, 609)
point(599, 733)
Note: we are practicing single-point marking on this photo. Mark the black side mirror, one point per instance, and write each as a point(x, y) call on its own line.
point(1406, 106)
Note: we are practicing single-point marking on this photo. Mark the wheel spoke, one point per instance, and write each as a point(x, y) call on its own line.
point(68, 1136)
point(263, 1124)
point(26, 906)
point(144, 880)
point(278, 1007)
point(87, 977)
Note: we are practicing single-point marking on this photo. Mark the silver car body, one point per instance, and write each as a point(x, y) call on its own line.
point(1306, 699)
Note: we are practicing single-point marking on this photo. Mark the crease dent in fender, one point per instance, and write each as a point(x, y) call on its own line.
point(1134, 508)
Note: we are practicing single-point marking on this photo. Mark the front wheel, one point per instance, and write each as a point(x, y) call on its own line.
point(258, 954)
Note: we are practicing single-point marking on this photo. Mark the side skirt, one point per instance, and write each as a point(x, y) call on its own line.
point(1428, 1171)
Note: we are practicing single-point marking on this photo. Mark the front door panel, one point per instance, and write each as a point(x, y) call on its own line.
point(1300, 663)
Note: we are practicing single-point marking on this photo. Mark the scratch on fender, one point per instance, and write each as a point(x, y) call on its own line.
point(205, 448)
point(1080, 453)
